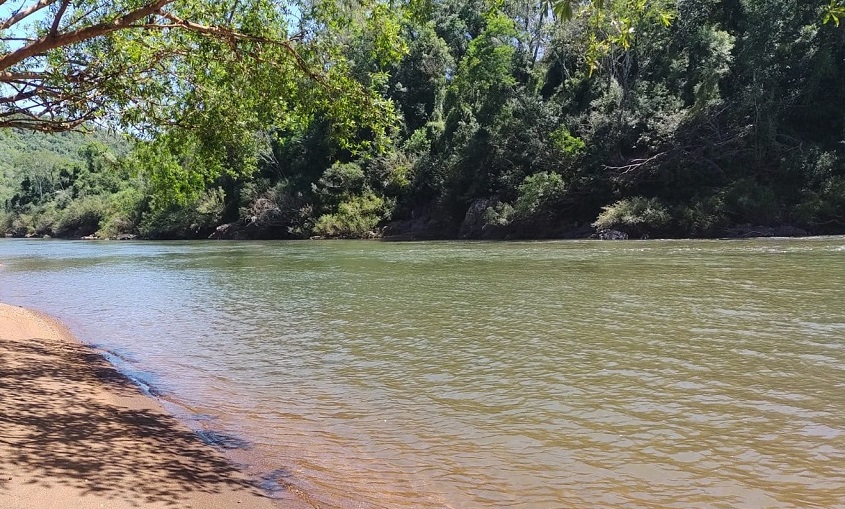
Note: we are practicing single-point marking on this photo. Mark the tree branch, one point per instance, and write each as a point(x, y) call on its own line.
point(25, 13)
point(55, 98)
point(50, 42)
point(55, 28)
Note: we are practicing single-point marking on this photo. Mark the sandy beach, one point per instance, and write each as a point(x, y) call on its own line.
point(76, 434)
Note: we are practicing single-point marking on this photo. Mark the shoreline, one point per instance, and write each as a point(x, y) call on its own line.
point(398, 239)
point(76, 433)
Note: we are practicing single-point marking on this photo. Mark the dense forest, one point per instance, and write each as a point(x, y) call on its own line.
point(494, 120)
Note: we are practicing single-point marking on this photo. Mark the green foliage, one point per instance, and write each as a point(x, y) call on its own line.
point(275, 208)
point(704, 114)
point(197, 220)
point(123, 213)
point(615, 28)
point(704, 217)
point(569, 145)
point(419, 82)
point(713, 67)
point(356, 217)
point(747, 201)
point(635, 216)
point(832, 12)
point(82, 217)
point(342, 179)
point(537, 192)
point(501, 214)
point(6, 221)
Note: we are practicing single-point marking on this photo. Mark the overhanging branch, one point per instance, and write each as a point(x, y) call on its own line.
point(44, 94)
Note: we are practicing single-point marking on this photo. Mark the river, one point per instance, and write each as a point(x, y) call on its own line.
point(654, 374)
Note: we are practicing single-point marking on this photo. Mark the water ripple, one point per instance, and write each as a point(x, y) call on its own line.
point(650, 374)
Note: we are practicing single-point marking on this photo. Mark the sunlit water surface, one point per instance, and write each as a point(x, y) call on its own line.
point(481, 375)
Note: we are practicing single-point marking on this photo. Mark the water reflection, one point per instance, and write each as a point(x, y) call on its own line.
point(571, 374)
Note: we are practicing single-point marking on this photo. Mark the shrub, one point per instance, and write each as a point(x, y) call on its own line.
point(342, 178)
point(356, 217)
point(6, 219)
point(704, 217)
point(123, 214)
point(279, 208)
point(501, 214)
point(825, 208)
point(197, 219)
point(635, 216)
point(565, 142)
point(537, 192)
point(746, 201)
point(45, 219)
point(82, 217)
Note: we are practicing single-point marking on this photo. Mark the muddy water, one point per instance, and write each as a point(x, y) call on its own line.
point(481, 375)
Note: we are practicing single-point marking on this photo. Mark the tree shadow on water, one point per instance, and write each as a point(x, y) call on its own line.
point(57, 429)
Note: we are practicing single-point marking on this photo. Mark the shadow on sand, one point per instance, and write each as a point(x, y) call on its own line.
point(57, 428)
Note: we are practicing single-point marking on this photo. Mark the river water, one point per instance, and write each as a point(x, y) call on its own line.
point(656, 374)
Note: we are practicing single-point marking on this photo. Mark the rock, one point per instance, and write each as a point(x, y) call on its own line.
point(611, 235)
point(46, 237)
point(242, 229)
point(373, 234)
point(224, 231)
point(126, 236)
point(474, 220)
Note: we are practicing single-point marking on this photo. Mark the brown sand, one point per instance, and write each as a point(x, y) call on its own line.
point(76, 434)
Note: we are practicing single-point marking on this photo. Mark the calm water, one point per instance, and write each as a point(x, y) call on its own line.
point(479, 375)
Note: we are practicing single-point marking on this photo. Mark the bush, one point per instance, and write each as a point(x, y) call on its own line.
point(538, 192)
point(355, 218)
point(501, 214)
point(704, 217)
point(6, 219)
point(635, 216)
point(195, 220)
point(823, 209)
point(571, 146)
point(123, 214)
point(44, 219)
point(391, 173)
point(746, 201)
point(82, 217)
point(276, 208)
point(342, 178)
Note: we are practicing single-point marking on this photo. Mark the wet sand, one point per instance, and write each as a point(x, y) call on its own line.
point(76, 434)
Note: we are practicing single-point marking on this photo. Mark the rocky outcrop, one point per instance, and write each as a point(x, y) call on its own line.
point(472, 227)
point(251, 229)
point(609, 234)
point(227, 231)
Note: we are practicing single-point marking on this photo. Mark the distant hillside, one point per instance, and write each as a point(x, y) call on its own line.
point(40, 156)
point(17, 145)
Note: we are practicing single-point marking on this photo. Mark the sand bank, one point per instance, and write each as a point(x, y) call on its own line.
point(76, 434)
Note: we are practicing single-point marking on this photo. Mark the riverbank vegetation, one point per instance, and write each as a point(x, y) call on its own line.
point(472, 119)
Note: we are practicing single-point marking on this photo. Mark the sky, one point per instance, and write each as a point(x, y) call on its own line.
point(8, 9)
